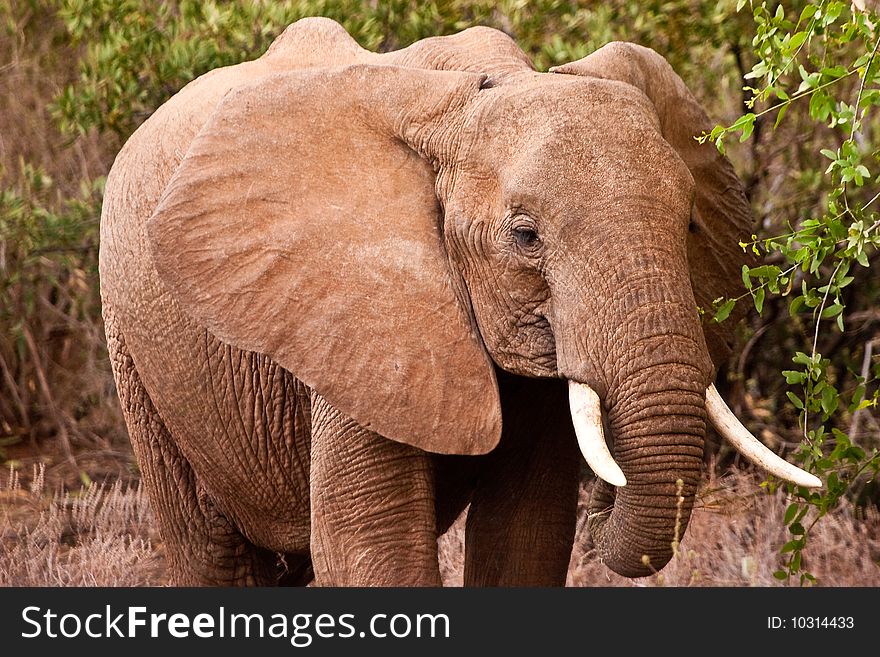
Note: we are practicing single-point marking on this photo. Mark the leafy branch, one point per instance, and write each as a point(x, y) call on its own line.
point(836, 44)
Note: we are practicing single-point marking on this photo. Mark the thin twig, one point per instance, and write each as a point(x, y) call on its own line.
point(862, 88)
point(856, 120)
point(865, 316)
point(866, 365)
point(822, 307)
point(13, 391)
point(743, 357)
point(819, 312)
point(806, 92)
point(60, 420)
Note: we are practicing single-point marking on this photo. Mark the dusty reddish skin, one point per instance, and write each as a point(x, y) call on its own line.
point(343, 292)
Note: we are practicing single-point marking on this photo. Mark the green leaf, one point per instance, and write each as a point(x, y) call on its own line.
point(796, 40)
point(745, 123)
point(759, 70)
point(798, 404)
point(829, 400)
point(832, 311)
point(834, 71)
point(790, 513)
point(780, 115)
point(759, 300)
point(858, 397)
point(724, 311)
point(808, 12)
point(780, 574)
point(821, 105)
point(793, 377)
point(809, 79)
point(765, 271)
point(855, 453)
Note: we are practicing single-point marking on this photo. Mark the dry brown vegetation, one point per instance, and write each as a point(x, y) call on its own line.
point(733, 540)
point(33, 70)
point(55, 380)
point(104, 535)
point(57, 400)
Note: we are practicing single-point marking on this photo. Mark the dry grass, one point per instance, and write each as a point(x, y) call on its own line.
point(732, 540)
point(99, 536)
point(106, 536)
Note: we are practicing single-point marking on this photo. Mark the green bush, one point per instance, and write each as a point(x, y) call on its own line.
point(820, 60)
point(139, 52)
point(49, 310)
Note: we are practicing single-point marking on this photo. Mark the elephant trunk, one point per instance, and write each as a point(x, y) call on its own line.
point(657, 409)
point(658, 443)
point(636, 339)
point(656, 377)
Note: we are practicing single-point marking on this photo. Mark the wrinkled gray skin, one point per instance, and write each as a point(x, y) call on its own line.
point(343, 292)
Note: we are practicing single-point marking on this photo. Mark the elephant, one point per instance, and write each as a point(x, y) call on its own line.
point(347, 294)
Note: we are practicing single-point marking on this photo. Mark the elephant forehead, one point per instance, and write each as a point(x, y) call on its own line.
point(561, 130)
point(572, 173)
point(538, 104)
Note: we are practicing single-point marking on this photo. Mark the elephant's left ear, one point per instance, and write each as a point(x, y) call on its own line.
point(722, 215)
point(303, 224)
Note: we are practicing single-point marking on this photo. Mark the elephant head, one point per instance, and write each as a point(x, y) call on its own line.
point(390, 234)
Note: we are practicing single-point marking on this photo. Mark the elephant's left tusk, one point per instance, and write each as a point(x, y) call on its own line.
point(746, 444)
point(586, 415)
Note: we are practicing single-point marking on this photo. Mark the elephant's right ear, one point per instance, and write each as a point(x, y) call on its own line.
point(303, 224)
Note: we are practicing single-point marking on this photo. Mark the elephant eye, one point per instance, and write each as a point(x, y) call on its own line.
point(525, 237)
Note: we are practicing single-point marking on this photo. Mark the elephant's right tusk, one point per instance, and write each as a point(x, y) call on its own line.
point(586, 415)
point(746, 444)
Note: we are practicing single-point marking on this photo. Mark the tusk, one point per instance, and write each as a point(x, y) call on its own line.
point(746, 444)
point(586, 414)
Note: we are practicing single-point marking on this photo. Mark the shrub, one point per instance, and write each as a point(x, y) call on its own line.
point(819, 61)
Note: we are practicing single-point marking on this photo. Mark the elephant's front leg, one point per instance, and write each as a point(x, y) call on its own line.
point(521, 523)
point(373, 521)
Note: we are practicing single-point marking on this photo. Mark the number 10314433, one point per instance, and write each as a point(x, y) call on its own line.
point(810, 623)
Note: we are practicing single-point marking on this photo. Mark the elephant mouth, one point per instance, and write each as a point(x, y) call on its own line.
point(586, 415)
